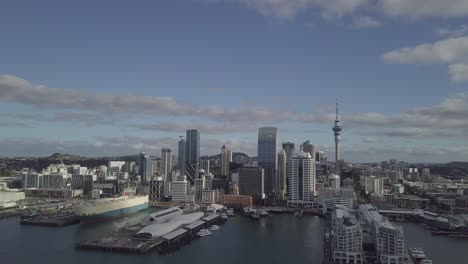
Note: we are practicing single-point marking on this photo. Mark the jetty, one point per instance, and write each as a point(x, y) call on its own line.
point(57, 220)
point(128, 240)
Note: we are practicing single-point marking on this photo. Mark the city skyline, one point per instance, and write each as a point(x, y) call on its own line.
point(124, 81)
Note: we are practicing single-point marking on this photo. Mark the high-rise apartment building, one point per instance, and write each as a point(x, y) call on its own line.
point(146, 168)
point(181, 155)
point(226, 158)
point(301, 174)
point(282, 174)
point(166, 164)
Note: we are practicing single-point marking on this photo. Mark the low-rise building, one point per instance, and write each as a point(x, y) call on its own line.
point(236, 201)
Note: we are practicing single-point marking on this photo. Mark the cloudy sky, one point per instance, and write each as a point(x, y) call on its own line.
point(119, 77)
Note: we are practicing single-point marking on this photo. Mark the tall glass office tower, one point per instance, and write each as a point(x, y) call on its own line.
point(267, 155)
point(192, 153)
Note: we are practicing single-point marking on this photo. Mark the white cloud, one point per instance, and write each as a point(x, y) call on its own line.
point(362, 22)
point(452, 32)
point(289, 9)
point(424, 8)
point(412, 9)
point(459, 72)
point(16, 90)
point(452, 51)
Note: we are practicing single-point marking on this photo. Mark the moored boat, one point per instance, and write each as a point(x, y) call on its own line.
point(111, 208)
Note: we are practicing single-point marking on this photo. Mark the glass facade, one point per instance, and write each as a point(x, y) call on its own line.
point(267, 155)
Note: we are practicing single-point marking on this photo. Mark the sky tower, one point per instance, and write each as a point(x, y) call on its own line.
point(337, 131)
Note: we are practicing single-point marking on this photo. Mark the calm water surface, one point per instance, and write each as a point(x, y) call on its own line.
point(275, 239)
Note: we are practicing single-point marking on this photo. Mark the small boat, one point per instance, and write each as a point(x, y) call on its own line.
point(255, 215)
point(298, 214)
point(247, 210)
point(263, 213)
point(204, 232)
point(417, 256)
point(214, 228)
point(224, 216)
point(230, 212)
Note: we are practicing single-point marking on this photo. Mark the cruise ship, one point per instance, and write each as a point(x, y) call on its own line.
point(110, 208)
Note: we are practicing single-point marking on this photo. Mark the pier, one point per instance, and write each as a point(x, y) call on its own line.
point(60, 219)
point(126, 240)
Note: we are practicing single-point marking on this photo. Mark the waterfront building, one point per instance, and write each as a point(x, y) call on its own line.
point(192, 154)
point(267, 155)
point(210, 196)
point(54, 181)
point(282, 174)
point(387, 238)
point(166, 164)
point(146, 168)
point(83, 182)
point(226, 158)
point(181, 155)
point(329, 198)
point(301, 174)
point(347, 237)
point(251, 182)
point(236, 201)
point(31, 180)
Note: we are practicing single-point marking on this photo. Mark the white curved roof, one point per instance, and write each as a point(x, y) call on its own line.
point(161, 229)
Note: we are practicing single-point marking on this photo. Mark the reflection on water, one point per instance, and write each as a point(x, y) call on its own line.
point(441, 249)
point(95, 230)
point(274, 239)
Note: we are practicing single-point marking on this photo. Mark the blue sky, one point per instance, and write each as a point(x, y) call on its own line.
point(119, 77)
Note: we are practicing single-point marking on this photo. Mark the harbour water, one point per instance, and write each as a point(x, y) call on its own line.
point(274, 239)
point(441, 249)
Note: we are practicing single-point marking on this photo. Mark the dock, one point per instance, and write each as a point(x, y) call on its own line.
point(126, 240)
point(57, 220)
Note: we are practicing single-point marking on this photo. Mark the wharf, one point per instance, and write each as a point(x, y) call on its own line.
point(126, 240)
point(121, 242)
point(7, 214)
point(289, 210)
point(60, 219)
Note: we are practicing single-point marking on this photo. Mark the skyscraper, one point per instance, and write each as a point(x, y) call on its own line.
point(146, 168)
point(337, 132)
point(282, 173)
point(192, 154)
point(309, 148)
point(166, 164)
point(181, 155)
point(301, 173)
point(226, 158)
point(288, 147)
point(267, 155)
